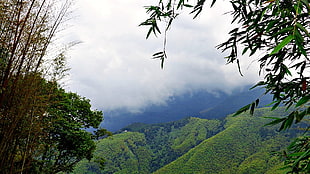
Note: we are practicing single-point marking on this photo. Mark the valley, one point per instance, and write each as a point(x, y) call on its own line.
point(194, 145)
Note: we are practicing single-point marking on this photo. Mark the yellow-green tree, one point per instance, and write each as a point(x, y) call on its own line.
point(27, 28)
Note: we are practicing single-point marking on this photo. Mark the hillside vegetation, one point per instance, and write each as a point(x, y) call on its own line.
point(243, 147)
point(193, 145)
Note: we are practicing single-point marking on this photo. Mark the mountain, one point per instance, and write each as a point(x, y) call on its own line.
point(235, 101)
point(193, 145)
point(243, 147)
point(201, 104)
point(122, 153)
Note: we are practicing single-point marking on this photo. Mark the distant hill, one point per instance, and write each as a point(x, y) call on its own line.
point(193, 145)
point(200, 104)
point(233, 102)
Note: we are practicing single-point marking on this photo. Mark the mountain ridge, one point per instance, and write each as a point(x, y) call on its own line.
point(202, 104)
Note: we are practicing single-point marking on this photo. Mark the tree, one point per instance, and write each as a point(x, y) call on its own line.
point(42, 127)
point(279, 31)
point(66, 140)
point(35, 124)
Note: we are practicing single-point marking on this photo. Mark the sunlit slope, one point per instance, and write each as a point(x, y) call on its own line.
point(121, 153)
point(243, 147)
point(143, 148)
point(168, 141)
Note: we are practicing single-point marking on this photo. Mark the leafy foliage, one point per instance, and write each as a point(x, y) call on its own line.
point(298, 160)
point(66, 141)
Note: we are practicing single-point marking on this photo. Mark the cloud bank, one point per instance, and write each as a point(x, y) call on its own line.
point(113, 66)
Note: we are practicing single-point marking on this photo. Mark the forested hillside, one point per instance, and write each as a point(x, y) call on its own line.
point(243, 147)
point(193, 145)
point(143, 148)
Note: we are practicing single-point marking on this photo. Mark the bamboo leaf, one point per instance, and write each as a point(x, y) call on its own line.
point(252, 108)
point(303, 28)
point(276, 121)
point(243, 109)
point(282, 44)
point(303, 100)
point(213, 2)
point(275, 105)
point(188, 5)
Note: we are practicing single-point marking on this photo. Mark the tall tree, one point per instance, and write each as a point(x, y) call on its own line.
point(279, 29)
point(26, 30)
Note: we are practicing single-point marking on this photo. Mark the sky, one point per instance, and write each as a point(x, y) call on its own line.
point(112, 65)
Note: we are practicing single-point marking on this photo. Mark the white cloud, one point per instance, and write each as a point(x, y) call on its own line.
point(112, 65)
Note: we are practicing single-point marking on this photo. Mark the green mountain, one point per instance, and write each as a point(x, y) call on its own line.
point(244, 146)
point(121, 153)
point(193, 145)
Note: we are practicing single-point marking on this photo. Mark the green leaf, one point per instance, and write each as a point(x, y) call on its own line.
point(181, 2)
point(303, 28)
point(288, 122)
point(275, 105)
point(162, 63)
point(276, 121)
point(272, 103)
point(243, 109)
point(239, 68)
point(149, 32)
point(300, 116)
point(213, 2)
point(258, 84)
point(299, 40)
point(257, 102)
point(245, 50)
point(284, 30)
point(304, 154)
point(188, 5)
point(252, 108)
point(303, 100)
point(282, 44)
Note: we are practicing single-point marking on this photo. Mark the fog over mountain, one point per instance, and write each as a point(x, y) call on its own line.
point(200, 104)
point(112, 65)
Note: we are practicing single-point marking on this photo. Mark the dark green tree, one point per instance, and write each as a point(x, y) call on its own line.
point(66, 140)
point(279, 31)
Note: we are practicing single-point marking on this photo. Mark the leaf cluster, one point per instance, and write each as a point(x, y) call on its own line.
point(298, 160)
point(277, 31)
point(165, 11)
